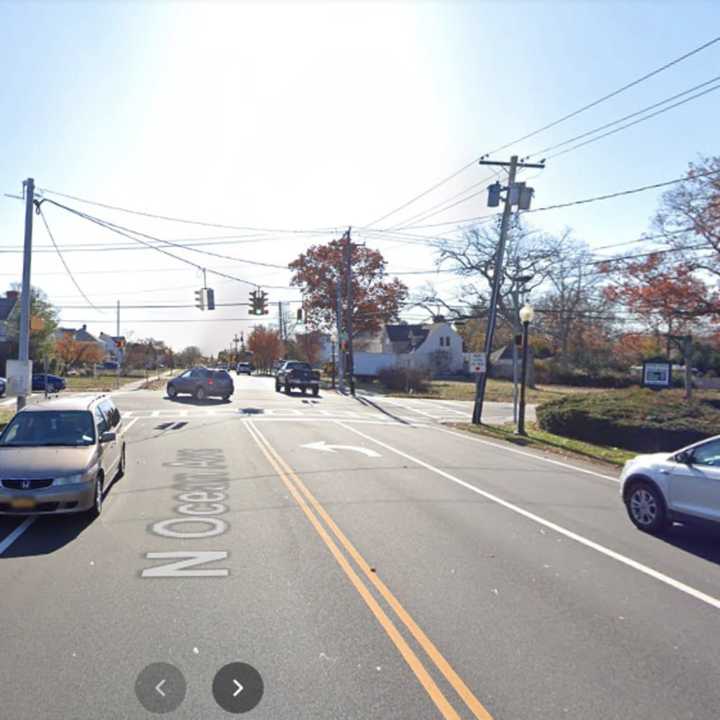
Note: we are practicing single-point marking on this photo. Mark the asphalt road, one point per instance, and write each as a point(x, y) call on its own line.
point(408, 572)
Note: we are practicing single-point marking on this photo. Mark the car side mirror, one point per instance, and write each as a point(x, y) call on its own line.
point(685, 458)
point(108, 436)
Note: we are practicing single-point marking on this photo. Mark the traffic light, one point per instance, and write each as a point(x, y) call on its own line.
point(210, 299)
point(200, 299)
point(299, 315)
point(258, 303)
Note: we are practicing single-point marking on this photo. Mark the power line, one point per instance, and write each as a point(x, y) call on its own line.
point(614, 93)
point(634, 122)
point(554, 123)
point(112, 228)
point(108, 224)
point(38, 209)
point(549, 148)
point(182, 220)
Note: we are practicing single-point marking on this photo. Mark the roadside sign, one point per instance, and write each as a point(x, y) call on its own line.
point(478, 365)
point(657, 374)
point(19, 377)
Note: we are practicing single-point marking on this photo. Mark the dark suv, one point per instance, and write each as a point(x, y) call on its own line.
point(295, 374)
point(201, 383)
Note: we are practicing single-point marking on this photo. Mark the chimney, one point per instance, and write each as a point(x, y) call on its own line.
point(84, 327)
point(12, 294)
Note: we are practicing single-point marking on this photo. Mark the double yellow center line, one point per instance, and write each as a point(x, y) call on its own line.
point(333, 537)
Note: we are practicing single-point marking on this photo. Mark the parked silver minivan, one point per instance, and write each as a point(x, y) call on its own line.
point(60, 456)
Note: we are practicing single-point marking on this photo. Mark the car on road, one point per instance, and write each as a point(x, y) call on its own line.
point(3, 386)
point(683, 486)
point(295, 374)
point(61, 456)
point(244, 368)
point(201, 383)
point(54, 382)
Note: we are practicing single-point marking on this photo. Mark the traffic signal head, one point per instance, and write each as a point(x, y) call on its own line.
point(210, 299)
point(494, 194)
point(200, 299)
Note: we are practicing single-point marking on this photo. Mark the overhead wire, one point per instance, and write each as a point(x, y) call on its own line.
point(552, 124)
point(39, 211)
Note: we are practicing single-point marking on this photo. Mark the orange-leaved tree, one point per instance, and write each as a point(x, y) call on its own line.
point(376, 299)
point(266, 347)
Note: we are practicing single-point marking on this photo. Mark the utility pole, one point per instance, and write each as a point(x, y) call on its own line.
point(512, 197)
point(117, 320)
point(347, 252)
point(338, 322)
point(236, 340)
point(26, 290)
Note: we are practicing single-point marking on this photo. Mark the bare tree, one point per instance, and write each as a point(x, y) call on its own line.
point(573, 296)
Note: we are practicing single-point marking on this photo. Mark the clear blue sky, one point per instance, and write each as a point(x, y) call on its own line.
point(322, 115)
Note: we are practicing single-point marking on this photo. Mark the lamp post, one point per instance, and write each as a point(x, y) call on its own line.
point(526, 317)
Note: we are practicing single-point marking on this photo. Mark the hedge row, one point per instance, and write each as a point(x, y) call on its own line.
point(638, 419)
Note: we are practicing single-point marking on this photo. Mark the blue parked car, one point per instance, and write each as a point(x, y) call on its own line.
point(3, 386)
point(54, 382)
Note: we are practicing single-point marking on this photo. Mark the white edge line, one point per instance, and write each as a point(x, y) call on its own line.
point(16, 533)
point(466, 436)
point(128, 426)
point(651, 572)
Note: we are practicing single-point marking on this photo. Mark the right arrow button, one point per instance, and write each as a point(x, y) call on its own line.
point(237, 687)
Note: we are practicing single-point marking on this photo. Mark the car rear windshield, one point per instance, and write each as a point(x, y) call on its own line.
point(222, 374)
point(49, 427)
point(298, 366)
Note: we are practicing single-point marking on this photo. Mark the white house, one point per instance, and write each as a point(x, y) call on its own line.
point(435, 347)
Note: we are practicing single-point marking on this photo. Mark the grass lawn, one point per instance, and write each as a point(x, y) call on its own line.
point(496, 391)
point(541, 440)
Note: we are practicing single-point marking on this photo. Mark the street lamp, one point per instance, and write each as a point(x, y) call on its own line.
point(526, 317)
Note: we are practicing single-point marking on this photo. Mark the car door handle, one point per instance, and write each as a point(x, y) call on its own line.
point(664, 472)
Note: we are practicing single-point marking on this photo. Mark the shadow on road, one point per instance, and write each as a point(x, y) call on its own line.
point(48, 534)
point(190, 400)
point(701, 541)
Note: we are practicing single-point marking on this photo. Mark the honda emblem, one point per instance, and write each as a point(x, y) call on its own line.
point(25, 484)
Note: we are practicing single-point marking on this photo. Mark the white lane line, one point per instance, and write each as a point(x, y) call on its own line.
point(184, 413)
point(16, 533)
point(128, 413)
point(645, 569)
point(129, 425)
point(467, 436)
point(155, 414)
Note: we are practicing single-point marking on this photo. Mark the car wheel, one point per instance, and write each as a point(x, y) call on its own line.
point(288, 389)
point(200, 393)
point(316, 391)
point(121, 466)
point(646, 507)
point(304, 391)
point(172, 392)
point(96, 508)
point(226, 398)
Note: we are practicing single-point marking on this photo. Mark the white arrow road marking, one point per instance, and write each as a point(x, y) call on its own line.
point(322, 446)
point(159, 686)
point(240, 688)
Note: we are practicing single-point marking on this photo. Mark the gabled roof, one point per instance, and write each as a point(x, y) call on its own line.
point(403, 333)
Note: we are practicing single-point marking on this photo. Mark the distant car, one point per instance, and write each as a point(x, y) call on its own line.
point(296, 374)
point(111, 365)
point(222, 366)
point(683, 486)
point(201, 383)
point(3, 386)
point(244, 368)
point(60, 456)
point(54, 382)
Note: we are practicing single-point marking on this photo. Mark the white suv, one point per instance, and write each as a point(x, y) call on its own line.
point(682, 486)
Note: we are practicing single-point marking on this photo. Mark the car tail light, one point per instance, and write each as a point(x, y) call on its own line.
point(211, 382)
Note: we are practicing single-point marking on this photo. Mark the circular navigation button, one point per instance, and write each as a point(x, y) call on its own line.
point(160, 688)
point(237, 687)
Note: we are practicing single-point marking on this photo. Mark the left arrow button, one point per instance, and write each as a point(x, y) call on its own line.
point(160, 688)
